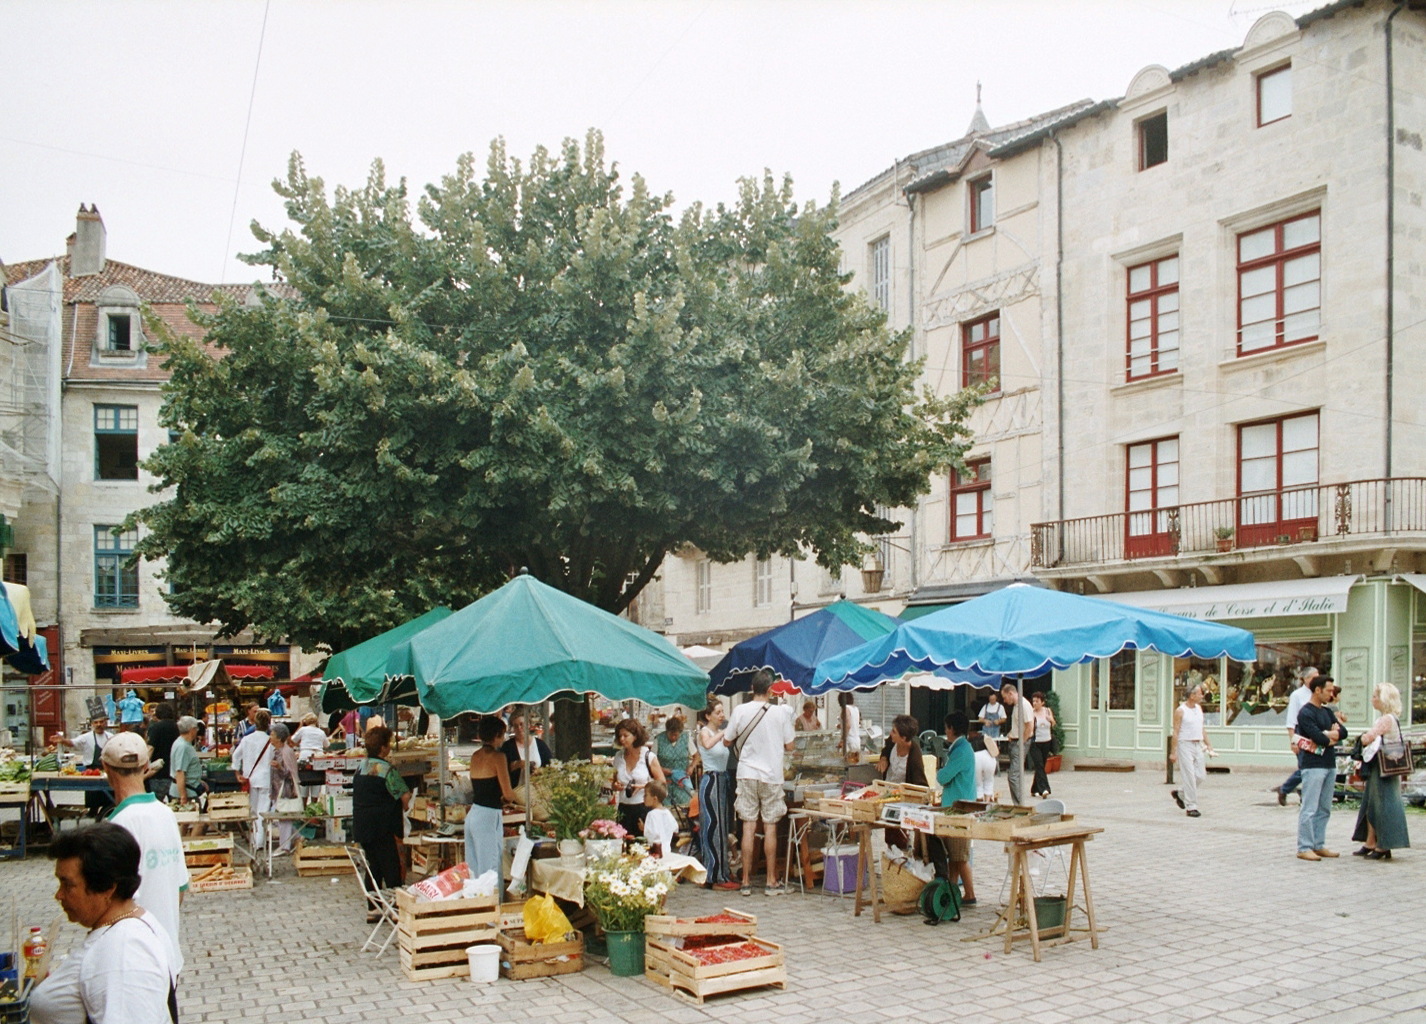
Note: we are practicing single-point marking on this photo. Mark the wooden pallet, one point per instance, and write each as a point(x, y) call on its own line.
point(219, 878)
point(432, 935)
point(229, 807)
point(520, 959)
point(690, 979)
point(661, 925)
point(312, 860)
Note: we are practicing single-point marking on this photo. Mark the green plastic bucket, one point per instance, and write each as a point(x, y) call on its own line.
point(1049, 912)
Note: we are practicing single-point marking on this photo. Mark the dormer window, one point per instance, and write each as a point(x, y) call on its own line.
point(120, 332)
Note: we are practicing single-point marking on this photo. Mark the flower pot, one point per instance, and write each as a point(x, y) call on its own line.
point(598, 849)
point(1052, 764)
point(1306, 534)
point(1225, 543)
point(626, 953)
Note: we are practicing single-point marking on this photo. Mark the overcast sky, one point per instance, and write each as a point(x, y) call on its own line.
point(140, 107)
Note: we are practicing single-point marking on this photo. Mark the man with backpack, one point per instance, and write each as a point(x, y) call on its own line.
point(758, 733)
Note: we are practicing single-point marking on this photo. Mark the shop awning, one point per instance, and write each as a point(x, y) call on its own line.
point(1321, 595)
point(1416, 579)
point(180, 673)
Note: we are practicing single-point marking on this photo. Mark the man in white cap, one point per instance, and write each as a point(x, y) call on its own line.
point(163, 876)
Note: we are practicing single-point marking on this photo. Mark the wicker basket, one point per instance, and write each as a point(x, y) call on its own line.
point(900, 889)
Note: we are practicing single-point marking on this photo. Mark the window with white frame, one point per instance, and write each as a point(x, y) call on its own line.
point(881, 273)
point(1277, 478)
point(762, 582)
point(1274, 95)
point(972, 504)
point(704, 585)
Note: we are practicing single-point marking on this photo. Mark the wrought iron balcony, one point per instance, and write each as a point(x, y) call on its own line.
point(1306, 515)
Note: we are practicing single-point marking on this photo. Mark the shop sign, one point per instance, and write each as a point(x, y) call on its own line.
point(1260, 607)
point(129, 655)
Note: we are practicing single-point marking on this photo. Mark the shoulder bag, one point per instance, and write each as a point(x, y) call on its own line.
point(1394, 758)
point(737, 748)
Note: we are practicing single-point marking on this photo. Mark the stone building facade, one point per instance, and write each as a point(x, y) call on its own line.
point(91, 422)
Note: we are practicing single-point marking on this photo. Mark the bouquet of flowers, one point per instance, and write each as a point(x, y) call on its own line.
point(572, 792)
point(603, 828)
point(624, 891)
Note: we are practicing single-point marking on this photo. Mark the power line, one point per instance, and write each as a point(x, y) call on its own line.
point(242, 153)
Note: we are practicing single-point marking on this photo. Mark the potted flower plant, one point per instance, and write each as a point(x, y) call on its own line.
point(1224, 534)
point(571, 790)
point(1057, 732)
point(622, 891)
point(603, 838)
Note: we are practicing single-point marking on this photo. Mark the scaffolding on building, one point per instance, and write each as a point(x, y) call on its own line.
point(30, 367)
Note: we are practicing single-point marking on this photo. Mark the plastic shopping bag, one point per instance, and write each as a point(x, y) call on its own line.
point(545, 921)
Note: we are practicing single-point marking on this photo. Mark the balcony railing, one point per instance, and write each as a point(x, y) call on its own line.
point(1304, 515)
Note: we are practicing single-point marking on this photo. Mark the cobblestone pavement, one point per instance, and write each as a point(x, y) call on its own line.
point(1211, 919)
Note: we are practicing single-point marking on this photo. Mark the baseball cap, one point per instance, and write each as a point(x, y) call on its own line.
point(126, 750)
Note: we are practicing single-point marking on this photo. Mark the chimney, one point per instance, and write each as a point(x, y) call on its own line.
point(86, 256)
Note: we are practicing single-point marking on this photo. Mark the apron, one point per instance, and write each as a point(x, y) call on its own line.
point(94, 799)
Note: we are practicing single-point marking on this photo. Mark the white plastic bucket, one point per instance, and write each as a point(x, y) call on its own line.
point(484, 963)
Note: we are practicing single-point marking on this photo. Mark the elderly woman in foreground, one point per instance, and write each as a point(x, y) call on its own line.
point(121, 974)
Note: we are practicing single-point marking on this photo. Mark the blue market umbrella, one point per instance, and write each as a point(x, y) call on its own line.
point(793, 649)
point(1023, 630)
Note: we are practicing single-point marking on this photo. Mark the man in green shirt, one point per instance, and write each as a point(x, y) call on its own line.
point(184, 764)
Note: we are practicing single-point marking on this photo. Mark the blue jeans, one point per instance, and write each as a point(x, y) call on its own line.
point(1295, 779)
point(1318, 785)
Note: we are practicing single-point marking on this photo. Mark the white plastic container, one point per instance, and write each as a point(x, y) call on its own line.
point(484, 963)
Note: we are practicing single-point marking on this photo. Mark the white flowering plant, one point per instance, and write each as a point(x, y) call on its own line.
point(622, 891)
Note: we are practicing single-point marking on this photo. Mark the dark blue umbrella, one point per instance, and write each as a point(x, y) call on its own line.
point(794, 649)
point(1023, 630)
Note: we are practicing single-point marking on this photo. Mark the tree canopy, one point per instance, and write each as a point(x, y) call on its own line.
point(533, 369)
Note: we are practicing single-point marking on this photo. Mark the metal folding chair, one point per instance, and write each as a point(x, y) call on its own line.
point(376, 897)
point(1056, 855)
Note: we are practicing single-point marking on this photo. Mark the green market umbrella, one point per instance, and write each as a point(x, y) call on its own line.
point(527, 642)
point(358, 674)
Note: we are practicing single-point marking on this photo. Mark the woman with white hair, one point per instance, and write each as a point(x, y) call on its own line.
point(1381, 823)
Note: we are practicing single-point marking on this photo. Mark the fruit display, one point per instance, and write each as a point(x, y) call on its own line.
point(726, 954)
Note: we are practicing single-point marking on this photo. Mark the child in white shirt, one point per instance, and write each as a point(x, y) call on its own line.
point(660, 826)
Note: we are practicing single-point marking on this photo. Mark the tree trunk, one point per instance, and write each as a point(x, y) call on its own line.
point(573, 738)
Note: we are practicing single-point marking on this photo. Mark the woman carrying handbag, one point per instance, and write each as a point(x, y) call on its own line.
point(1386, 756)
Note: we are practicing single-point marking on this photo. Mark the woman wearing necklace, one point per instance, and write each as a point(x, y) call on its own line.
point(121, 974)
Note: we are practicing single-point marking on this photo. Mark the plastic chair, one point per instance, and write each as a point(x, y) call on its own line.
point(376, 898)
point(934, 743)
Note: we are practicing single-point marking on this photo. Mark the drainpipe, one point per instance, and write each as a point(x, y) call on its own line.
point(1390, 250)
point(1060, 332)
point(911, 323)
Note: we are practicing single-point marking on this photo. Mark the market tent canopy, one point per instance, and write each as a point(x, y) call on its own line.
point(20, 641)
point(528, 642)
point(1025, 630)
point(793, 649)
point(358, 674)
point(190, 674)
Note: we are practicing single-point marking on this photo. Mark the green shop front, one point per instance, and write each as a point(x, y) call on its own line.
point(1359, 630)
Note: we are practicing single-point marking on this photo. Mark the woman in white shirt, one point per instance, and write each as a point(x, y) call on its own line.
point(635, 765)
point(1044, 745)
point(851, 728)
point(122, 973)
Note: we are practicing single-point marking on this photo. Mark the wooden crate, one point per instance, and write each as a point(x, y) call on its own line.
point(661, 925)
point(520, 959)
point(219, 879)
point(229, 807)
point(312, 860)
point(206, 851)
point(691, 979)
point(432, 936)
point(999, 829)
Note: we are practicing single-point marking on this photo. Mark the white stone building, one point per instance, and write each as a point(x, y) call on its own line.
point(1184, 294)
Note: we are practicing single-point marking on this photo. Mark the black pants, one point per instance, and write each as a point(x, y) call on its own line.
point(385, 861)
point(632, 816)
point(1039, 754)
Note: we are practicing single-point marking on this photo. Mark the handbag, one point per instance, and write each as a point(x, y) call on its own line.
point(1394, 758)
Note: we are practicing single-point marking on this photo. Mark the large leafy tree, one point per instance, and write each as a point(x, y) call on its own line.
point(536, 369)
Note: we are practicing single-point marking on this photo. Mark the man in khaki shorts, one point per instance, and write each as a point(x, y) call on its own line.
point(759, 732)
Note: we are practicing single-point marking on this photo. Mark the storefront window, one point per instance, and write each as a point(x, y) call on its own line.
point(1208, 673)
point(1258, 694)
point(1121, 681)
point(1417, 697)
